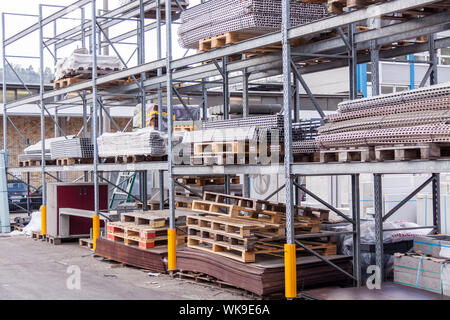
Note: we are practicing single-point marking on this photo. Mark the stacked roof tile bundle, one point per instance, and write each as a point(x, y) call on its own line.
point(408, 117)
point(215, 17)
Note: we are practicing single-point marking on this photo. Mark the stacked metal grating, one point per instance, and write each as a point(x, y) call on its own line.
point(409, 117)
point(215, 17)
point(72, 148)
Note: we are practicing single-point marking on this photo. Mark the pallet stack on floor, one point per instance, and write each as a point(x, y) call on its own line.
point(145, 230)
point(241, 228)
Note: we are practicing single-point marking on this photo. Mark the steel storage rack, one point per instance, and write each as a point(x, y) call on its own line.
point(349, 49)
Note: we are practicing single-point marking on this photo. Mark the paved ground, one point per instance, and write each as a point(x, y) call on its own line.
point(31, 269)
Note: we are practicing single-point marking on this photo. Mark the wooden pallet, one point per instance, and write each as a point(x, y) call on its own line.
point(73, 161)
point(221, 237)
point(183, 127)
point(307, 157)
point(212, 180)
point(228, 38)
point(404, 152)
point(232, 210)
point(255, 204)
point(36, 163)
point(139, 218)
point(225, 225)
point(138, 158)
point(36, 235)
point(66, 82)
point(357, 154)
point(144, 244)
point(208, 159)
point(238, 252)
point(151, 205)
point(86, 242)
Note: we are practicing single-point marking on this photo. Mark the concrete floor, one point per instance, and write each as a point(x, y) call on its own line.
point(31, 269)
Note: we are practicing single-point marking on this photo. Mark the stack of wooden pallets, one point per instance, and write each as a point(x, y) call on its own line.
point(240, 228)
point(184, 200)
point(146, 230)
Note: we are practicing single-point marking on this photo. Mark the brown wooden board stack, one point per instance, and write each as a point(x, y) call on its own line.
point(265, 276)
point(151, 259)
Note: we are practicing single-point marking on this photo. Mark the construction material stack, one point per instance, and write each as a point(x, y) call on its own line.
point(426, 267)
point(72, 150)
point(229, 21)
point(146, 230)
point(406, 125)
point(78, 68)
point(241, 228)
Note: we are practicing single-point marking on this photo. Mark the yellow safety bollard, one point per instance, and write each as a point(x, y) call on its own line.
point(95, 230)
point(290, 271)
point(172, 246)
point(43, 220)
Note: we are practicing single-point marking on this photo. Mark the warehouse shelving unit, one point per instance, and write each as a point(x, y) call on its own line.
point(194, 72)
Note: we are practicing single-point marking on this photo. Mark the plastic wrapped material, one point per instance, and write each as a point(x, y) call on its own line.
point(152, 114)
point(146, 141)
point(37, 147)
point(34, 224)
point(81, 60)
point(368, 237)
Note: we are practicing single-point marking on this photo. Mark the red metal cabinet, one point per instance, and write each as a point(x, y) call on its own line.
point(72, 195)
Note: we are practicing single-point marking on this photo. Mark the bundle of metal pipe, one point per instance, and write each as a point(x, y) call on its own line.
point(72, 148)
point(215, 17)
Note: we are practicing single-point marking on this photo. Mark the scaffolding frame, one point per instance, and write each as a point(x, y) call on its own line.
point(194, 72)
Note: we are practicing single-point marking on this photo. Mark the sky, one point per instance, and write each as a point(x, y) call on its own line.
point(29, 45)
